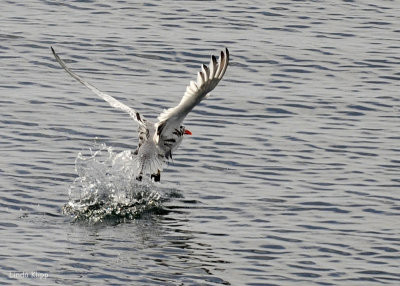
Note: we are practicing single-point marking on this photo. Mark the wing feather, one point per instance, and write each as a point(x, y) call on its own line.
point(213, 66)
point(111, 100)
point(224, 58)
point(207, 79)
point(200, 77)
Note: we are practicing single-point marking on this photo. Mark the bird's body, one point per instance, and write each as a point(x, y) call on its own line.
point(157, 141)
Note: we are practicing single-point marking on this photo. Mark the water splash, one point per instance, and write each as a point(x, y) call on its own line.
point(106, 188)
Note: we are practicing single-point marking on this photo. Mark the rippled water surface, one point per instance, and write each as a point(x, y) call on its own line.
point(291, 176)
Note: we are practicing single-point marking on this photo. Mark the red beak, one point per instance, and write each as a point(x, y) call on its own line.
point(187, 132)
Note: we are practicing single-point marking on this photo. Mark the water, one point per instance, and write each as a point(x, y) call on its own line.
point(291, 176)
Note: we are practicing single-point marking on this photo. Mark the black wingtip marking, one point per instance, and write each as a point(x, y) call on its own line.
point(214, 59)
point(168, 154)
point(138, 116)
point(160, 128)
point(179, 132)
point(202, 76)
point(225, 54)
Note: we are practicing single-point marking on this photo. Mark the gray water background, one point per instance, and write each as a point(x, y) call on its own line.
point(291, 176)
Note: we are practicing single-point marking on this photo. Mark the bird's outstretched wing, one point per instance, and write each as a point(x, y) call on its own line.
point(111, 100)
point(207, 79)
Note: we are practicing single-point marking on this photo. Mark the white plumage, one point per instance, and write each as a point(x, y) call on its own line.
point(158, 140)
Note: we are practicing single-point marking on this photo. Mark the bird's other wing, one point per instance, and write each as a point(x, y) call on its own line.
point(111, 100)
point(207, 79)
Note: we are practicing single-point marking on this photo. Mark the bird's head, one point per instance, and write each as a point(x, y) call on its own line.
point(185, 131)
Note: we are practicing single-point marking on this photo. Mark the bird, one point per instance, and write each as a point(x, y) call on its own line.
point(159, 140)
